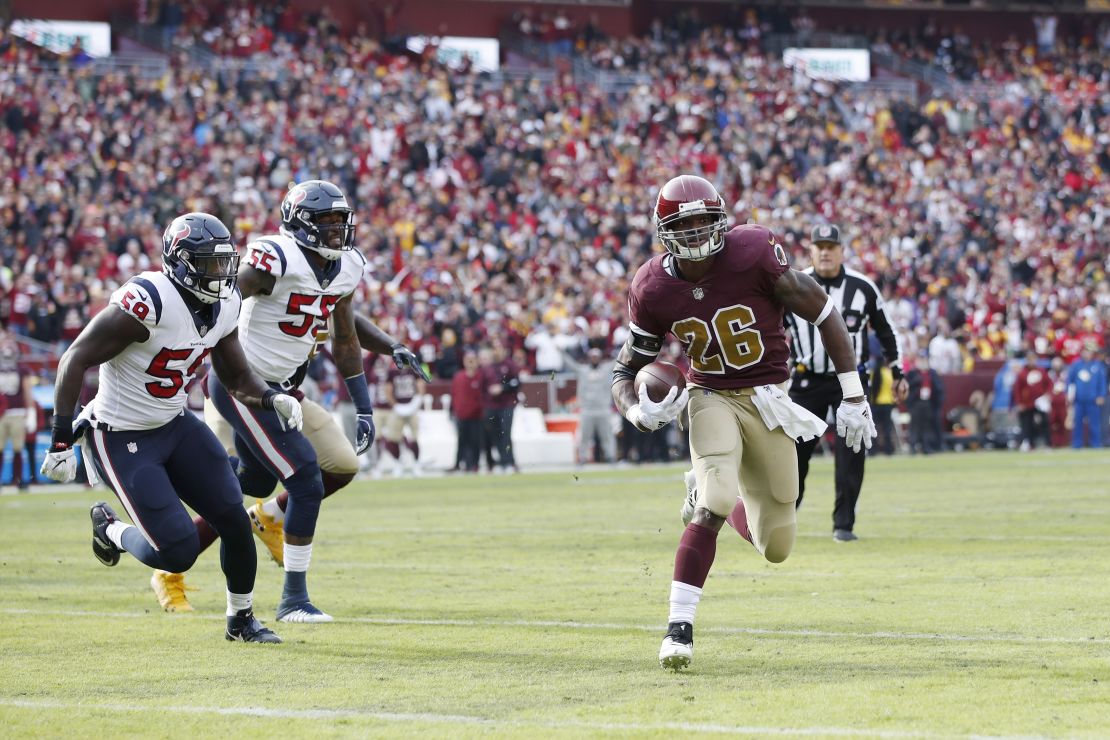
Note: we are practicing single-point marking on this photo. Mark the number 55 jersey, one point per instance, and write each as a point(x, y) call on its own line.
point(279, 331)
point(728, 322)
point(143, 387)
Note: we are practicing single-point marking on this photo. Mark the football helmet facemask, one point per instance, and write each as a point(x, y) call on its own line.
point(198, 255)
point(315, 214)
point(680, 201)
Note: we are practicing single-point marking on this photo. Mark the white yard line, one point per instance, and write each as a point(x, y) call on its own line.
point(454, 719)
point(618, 626)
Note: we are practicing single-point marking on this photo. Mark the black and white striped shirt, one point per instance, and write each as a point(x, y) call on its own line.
point(861, 305)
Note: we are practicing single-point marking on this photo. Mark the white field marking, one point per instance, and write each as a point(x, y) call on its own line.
point(617, 626)
point(433, 718)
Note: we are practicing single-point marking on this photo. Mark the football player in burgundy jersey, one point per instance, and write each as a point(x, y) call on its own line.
point(722, 294)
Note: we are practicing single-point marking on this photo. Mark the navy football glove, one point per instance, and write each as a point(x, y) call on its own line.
point(404, 357)
point(365, 433)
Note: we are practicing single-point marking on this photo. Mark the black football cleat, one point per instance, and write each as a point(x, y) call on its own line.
point(243, 627)
point(844, 535)
point(103, 548)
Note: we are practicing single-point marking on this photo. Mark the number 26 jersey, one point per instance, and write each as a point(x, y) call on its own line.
point(729, 322)
point(143, 387)
point(280, 330)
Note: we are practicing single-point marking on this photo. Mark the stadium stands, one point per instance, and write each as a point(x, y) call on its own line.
point(490, 204)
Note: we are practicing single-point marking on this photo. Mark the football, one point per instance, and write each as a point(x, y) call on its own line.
point(659, 377)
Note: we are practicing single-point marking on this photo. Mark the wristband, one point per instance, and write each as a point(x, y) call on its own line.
point(360, 395)
point(396, 346)
point(268, 399)
point(850, 384)
point(61, 431)
point(633, 415)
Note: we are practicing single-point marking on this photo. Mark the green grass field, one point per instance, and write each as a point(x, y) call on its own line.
point(975, 604)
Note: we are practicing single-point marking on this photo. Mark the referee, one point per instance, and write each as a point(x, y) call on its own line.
point(815, 385)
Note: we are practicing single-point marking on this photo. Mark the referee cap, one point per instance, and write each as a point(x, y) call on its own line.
point(825, 233)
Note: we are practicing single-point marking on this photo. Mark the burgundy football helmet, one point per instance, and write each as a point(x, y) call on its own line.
point(681, 198)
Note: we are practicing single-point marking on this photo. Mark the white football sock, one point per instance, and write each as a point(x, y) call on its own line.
point(684, 602)
point(115, 532)
point(238, 602)
point(297, 557)
point(273, 510)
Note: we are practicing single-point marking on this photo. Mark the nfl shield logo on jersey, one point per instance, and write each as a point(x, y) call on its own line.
point(132, 447)
point(698, 293)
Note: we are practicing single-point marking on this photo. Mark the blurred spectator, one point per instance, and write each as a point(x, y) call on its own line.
point(1087, 386)
point(944, 352)
point(466, 410)
point(1032, 400)
point(925, 400)
point(595, 407)
point(881, 387)
point(500, 386)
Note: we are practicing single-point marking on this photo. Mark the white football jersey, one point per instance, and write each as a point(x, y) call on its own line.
point(279, 331)
point(143, 387)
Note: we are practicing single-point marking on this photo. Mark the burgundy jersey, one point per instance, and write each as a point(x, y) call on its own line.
point(404, 384)
point(729, 322)
point(11, 386)
point(377, 369)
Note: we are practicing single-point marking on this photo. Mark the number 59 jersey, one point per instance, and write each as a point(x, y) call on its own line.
point(280, 330)
point(143, 387)
point(729, 322)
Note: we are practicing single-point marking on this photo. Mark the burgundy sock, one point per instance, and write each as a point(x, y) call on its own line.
point(695, 555)
point(17, 468)
point(414, 447)
point(738, 520)
point(333, 482)
point(205, 532)
point(393, 449)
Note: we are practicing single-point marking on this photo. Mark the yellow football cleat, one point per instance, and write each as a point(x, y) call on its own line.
point(170, 590)
point(269, 531)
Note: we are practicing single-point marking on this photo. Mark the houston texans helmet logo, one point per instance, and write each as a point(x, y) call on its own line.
point(296, 195)
point(178, 231)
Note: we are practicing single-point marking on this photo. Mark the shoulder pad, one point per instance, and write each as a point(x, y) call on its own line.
point(139, 297)
point(266, 255)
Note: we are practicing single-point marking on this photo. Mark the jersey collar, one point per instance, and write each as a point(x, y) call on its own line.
point(833, 282)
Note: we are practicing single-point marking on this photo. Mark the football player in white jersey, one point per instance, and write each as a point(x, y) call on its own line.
point(149, 342)
point(293, 283)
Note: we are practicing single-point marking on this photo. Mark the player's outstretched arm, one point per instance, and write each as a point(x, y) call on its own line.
point(110, 332)
point(373, 338)
point(799, 293)
point(346, 349)
point(230, 365)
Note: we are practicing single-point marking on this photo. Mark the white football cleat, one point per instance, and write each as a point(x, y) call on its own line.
point(691, 501)
point(304, 613)
point(677, 649)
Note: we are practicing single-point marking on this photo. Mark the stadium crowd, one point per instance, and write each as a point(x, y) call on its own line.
point(516, 211)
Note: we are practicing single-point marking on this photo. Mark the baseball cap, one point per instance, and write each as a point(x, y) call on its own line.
point(825, 233)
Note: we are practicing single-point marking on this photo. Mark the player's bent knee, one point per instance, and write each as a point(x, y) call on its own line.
point(233, 524)
point(255, 481)
point(180, 556)
point(780, 543)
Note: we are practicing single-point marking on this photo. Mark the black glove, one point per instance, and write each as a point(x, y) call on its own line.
point(364, 437)
point(404, 357)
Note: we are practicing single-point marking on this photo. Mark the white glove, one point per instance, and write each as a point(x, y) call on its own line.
point(652, 416)
point(855, 425)
point(289, 410)
point(60, 465)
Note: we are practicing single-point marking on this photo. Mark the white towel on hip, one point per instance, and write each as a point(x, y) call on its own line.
point(778, 410)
